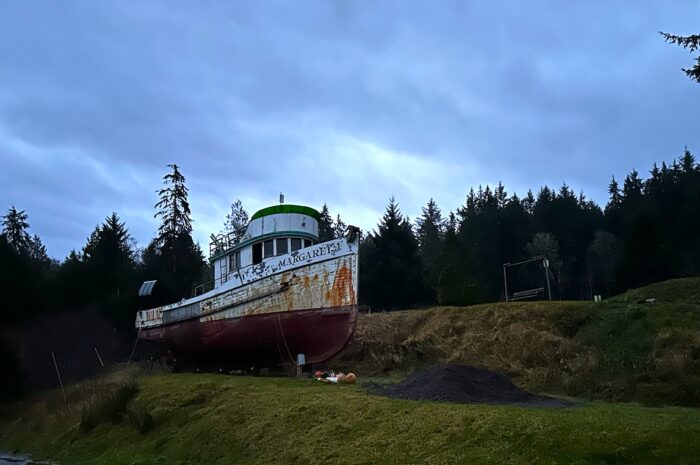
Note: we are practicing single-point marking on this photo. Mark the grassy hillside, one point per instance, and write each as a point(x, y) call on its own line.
point(210, 419)
point(684, 290)
point(619, 349)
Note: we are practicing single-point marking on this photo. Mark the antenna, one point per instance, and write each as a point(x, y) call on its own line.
point(281, 197)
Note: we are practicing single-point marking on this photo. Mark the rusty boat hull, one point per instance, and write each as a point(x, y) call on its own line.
point(265, 340)
point(265, 315)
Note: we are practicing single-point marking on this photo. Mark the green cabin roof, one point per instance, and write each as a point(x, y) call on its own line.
point(287, 208)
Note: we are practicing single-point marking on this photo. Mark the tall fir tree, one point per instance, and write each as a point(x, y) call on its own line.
point(339, 227)
point(614, 193)
point(109, 255)
point(632, 187)
point(394, 274)
point(173, 256)
point(37, 251)
point(325, 225)
point(430, 233)
point(14, 228)
point(108, 267)
point(455, 280)
point(528, 202)
point(173, 207)
point(24, 274)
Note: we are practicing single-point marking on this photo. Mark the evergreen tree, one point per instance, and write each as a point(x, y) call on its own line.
point(688, 162)
point(451, 224)
point(107, 267)
point(632, 188)
point(614, 191)
point(109, 255)
point(393, 277)
point(23, 279)
point(572, 222)
point(37, 252)
point(325, 225)
point(528, 203)
point(339, 227)
point(14, 228)
point(430, 232)
point(492, 230)
point(501, 195)
point(173, 257)
point(456, 284)
point(173, 207)
point(692, 44)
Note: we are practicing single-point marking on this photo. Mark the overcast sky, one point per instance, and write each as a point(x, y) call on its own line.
point(345, 102)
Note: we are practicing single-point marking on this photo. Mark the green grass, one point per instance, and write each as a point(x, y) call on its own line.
point(618, 350)
point(210, 419)
point(683, 290)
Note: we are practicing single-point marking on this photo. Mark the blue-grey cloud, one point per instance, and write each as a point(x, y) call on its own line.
point(328, 101)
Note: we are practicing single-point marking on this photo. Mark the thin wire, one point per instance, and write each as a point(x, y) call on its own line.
point(284, 339)
point(138, 335)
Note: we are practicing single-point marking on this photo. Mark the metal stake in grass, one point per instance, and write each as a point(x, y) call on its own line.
point(58, 373)
point(98, 357)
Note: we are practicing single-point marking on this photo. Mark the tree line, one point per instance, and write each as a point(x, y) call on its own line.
point(649, 230)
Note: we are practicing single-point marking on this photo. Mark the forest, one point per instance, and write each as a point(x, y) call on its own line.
point(649, 230)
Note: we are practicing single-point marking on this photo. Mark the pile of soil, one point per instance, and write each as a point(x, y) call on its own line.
point(466, 384)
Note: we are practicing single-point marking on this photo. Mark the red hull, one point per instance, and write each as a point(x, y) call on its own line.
point(262, 340)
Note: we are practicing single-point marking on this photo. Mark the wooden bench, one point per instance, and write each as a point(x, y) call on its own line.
point(528, 294)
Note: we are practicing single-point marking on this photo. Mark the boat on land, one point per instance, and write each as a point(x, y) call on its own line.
point(279, 296)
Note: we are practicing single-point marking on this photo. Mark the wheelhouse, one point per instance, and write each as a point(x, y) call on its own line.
point(271, 232)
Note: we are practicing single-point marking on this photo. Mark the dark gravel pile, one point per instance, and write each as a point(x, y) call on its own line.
point(466, 384)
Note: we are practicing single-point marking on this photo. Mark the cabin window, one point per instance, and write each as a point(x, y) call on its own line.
point(223, 270)
point(307, 243)
point(281, 246)
point(296, 244)
point(257, 253)
point(269, 248)
point(235, 261)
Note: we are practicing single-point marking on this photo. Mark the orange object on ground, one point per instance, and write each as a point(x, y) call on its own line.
point(350, 378)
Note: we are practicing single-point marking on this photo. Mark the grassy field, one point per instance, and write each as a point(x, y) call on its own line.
point(617, 350)
point(216, 419)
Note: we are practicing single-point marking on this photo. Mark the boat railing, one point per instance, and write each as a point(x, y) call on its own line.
point(223, 242)
point(211, 284)
point(203, 288)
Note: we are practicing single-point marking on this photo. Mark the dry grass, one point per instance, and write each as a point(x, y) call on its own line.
point(520, 340)
point(616, 350)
